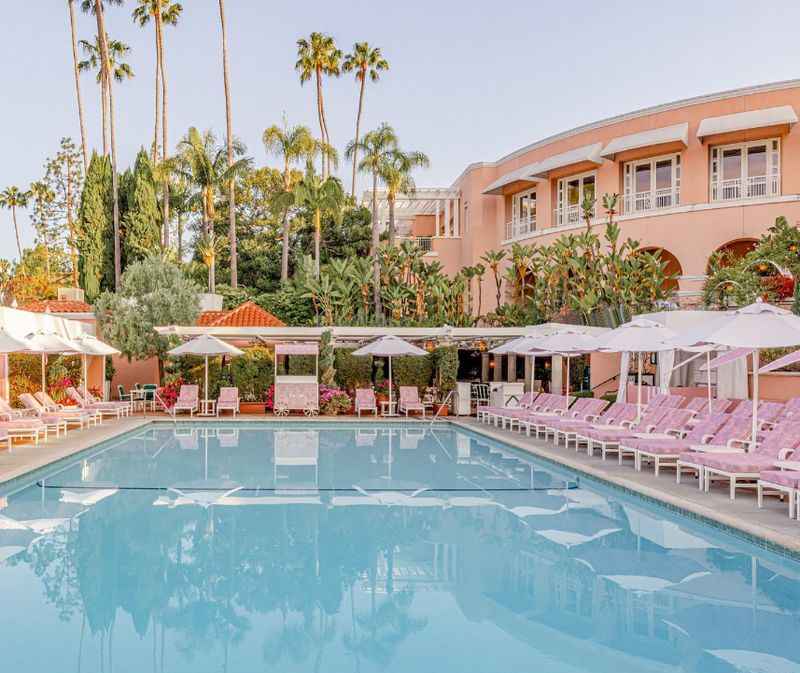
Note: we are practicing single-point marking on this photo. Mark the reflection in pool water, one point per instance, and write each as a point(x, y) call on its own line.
point(370, 548)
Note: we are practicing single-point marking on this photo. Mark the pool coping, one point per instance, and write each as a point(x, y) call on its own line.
point(753, 533)
point(66, 449)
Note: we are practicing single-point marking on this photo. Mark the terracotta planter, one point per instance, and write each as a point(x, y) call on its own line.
point(251, 407)
point(441, 410)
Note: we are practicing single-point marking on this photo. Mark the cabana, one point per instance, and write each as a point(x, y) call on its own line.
point(296, 392)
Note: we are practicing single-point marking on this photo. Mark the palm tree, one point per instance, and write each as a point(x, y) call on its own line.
point(291, 144)
point(320, 194)
point(204, 166)
point(366, 61)
point(12, 198)
point(74, 40)
point(106, 69)
point(230, 146)
point(163, 13)
point(493, 259)
point(316, 57)
point(395, 173)
point(376, 147)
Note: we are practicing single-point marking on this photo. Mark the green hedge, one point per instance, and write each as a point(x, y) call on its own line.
point(352, 371)
point(412, 371)
point(253, 373)
point(445, 363)
point(302, 365)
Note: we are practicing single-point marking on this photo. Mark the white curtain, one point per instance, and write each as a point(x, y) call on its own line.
point(732, 380)
point(556, 375)
point(624, 365)
point(666, 361)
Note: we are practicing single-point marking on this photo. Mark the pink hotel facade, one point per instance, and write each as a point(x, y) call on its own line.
point(694, 176)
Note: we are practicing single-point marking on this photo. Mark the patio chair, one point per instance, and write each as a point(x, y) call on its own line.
point(24, 428)
point(188, 399)
point(409, 400)
point(783, 483)
point(8, 413)
point(537, 421)
point(734, 433)
point(608, 438)
point(589, 410)
point(571, 428)
point(558, 405)
point(51, 405)
point(228, 400)
point(122, 395)
point(365, 401)
point(103, 408)
point(126, 407)
point(489, 413)
point(54, 421)
point(676, 422)
point(665, 452)
point(742, 469)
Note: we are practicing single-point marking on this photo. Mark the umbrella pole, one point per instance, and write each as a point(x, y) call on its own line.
point(533, 374)
point(639, 387)
point(44, 373)
point(708, 379)
point(566, 400)
point(754, 429)
point(390, 386)
point(85, 372)
point(205, 405)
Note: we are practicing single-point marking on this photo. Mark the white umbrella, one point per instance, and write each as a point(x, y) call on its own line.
point(640, 335)
point(759, 325)
point(523, 345)
point(49, 343)
point(568, 344)
point(389, 346)
point(88, 344)
point(205, 345)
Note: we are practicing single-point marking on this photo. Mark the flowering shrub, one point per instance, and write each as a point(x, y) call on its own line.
point(58, 388)
point(333, 401)
point(382, 387)
point(169, 392)
point(781, 286)
point(269, 398)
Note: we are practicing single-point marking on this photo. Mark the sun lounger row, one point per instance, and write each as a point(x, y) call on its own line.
point(713, 444)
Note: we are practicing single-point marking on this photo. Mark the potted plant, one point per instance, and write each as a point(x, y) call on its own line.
point(382, 391)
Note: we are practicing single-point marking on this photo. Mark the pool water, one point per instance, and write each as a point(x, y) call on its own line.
point(329, 547)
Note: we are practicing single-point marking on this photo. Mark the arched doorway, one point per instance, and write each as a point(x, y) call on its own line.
point(732, 251)
point(673, 269)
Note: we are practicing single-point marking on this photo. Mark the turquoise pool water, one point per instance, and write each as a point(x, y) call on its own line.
point(332, 548)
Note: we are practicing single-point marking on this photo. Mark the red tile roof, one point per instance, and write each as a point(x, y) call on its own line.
point(248, 314)
point(57, 306)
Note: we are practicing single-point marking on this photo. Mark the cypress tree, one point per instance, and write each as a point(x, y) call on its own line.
point(94, 229)
point(141, 222)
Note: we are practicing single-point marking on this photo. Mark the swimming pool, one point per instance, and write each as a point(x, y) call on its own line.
point(334, 547)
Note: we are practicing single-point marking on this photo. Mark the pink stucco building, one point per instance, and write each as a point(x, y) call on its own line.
point(693, 176)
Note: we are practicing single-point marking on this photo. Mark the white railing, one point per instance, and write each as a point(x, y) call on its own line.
point(569, 215)
point(424, 243)
point(753, 187)
point(520, 228)
point(656, 199)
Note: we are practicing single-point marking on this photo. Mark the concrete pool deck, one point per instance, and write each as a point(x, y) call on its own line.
point(770, 524)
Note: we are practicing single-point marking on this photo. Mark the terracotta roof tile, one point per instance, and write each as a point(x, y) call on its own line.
point(248, 314)
point(57, 306)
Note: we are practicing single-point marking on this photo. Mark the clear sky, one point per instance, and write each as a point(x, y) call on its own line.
point(469, 80)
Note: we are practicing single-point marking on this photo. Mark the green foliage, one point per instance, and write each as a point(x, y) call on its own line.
point(445, 364)
point(289, 304)
point(327, 371)
point(253, 373)
point(352, 371)
point(153, 292)
point(233, 297)
point(762, 272)
point(412, 370)
point(94, 230)
point(301, 365)
point(142, 218)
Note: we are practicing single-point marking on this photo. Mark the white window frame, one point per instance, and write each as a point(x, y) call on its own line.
point(564, 213)
point(639, 202)
point(745, 187)
point(517, 226)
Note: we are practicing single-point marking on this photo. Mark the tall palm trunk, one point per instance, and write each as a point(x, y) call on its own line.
point(16, 230)
point(73, 253)
point(71, 5)
point(106, 67)
point(358, 129)
point(323, 131)
point(285, 248)
point(229, 128)
point(317, 237)
point(157, 122)
point(376, 262)
point(391, 199)
point(104, 110)
point(164, 138)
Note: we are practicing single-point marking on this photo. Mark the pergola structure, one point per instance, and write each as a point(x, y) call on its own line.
point(443, 203)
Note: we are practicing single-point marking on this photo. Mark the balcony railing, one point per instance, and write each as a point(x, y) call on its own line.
point(424, 243)
point(642, 202)
point(569, 215)
point(520, 228)
point(753, 187)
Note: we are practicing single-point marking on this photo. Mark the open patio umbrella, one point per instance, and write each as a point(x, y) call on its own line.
point(521, 346)
point(49, 343)
point(759, 325)
point(88, 344)
point(207, 346)
point(389, 346)
point(567, 344)
point(640, 335)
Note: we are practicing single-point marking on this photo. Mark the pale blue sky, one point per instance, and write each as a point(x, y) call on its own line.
point(469, 80)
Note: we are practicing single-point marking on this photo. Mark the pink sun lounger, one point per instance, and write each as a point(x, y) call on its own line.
point(732, 435)
point(581, 409)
